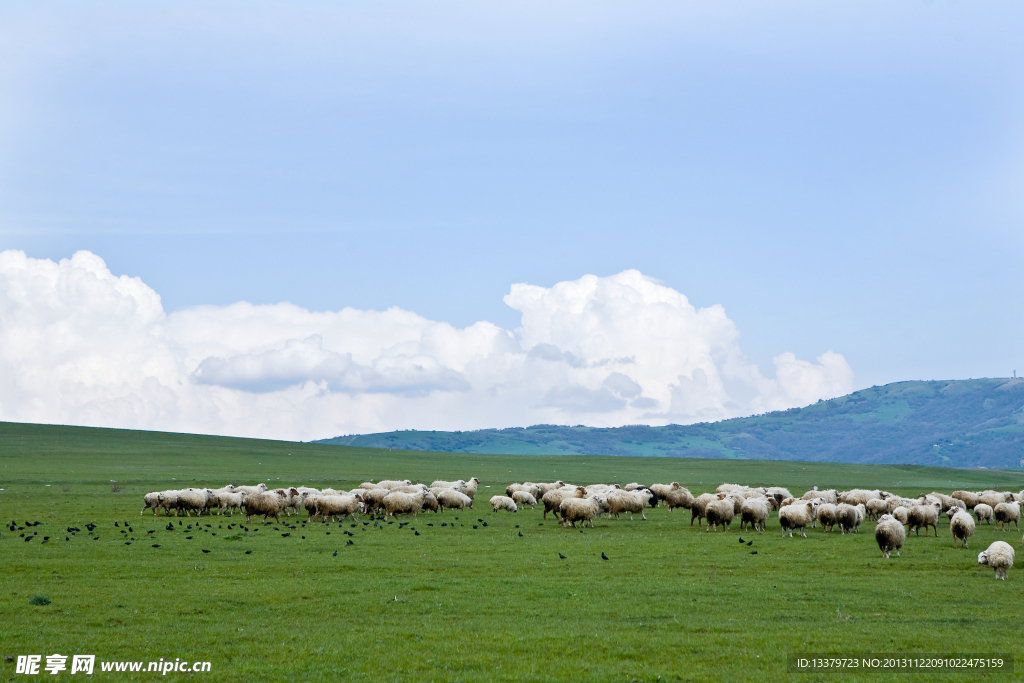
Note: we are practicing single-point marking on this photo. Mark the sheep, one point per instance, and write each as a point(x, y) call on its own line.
point(258, 488)
point(889, 534)
point(551, 486)
point(629, 501)
point(581, 510)
point(660, 491)
point(441, 484)
point(450, 498)
point(849, 517)
point(827, 496)
point(392, 483)
point(901, 514)
point(778, 493)
point(633, 486)
point(1006, 513)
point(961, 525)
point(505, 503)
point(529, 487)
point(858, 496)
point(553, 499)
point(896, 501)
point(719, 512)
point(191, 499)
point(677, 497)
point(970, 499)
point(430, 502)
point(373, 499)
point(151, 501)
point(827, 516)
point(291, 498)
point(923, 516)
point(999, 556)
point(404, 503)
point(876, 507)
point(524, 498)
point(471, 487)
point(983, 513)
point(796, 517)
point(993, 498)
point(755, 512)
point(263, 503)
point(337, 507)
point(700, 504)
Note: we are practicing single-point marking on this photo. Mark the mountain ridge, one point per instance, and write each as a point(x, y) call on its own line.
point(950, 423)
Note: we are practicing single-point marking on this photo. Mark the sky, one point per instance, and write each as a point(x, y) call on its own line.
point(304, 220)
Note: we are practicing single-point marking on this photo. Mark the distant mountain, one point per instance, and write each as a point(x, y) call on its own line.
point(960, 423)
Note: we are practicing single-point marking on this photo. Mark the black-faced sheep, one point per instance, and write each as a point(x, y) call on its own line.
point(1006, 513)
point(961, 525)
point(999, 556)
point(890, 535)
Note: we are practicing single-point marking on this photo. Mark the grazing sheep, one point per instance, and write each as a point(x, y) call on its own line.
point(923, 516)
point(961, 525)
point(1006, 513)
point(999, 556)
point(827, 496)
point(582, 510)
point(523, 498)
point(719, 512)
point(700, 504)
point(337, 507)
point(849, 517)
point(529, 487)
point(796, 517)
point(984, 513)
point(755, 513)
point(553, 499)
point(970, 499)
point(264, 503)
point(827, 516)
point(889, 534)
point(398, 502)
point(505, 503)
point(630, 502)
point(901, 514)
point(876, 507)
point(450, 498)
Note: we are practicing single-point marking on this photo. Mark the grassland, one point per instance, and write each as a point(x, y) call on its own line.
point(459, 603)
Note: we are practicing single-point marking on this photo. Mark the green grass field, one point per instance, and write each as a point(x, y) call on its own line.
point(459, 603)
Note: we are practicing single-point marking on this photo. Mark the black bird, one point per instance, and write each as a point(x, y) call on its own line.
point(561, 556)
point(115, 524)
point(349, 543)
point(179, 524)
point(95, 538)
point(248, 552)
point(127, 542)
point(28, 538)
point(151, 531)
point(188, 538)
point(417, 533)
point(474, 526)
point(286, 535)
point(753, 552)
point(750, 543)
point(206, 551)
point(603, 556)
point(335, 554)
point(46, 538)
point(485, 523)
point(303, 538)
point(169, 527)
point(742, 541)
point(66, 538)
point(479, 520)
point(131, 530)
point(156, 545)
point(520, 534)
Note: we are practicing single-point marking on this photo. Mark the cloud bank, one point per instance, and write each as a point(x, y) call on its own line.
point(79, 345)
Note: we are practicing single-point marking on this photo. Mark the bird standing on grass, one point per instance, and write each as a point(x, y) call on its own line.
point(561, 556)
point(603, 556)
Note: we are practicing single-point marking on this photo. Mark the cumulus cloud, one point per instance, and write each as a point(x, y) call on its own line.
point(79, 345)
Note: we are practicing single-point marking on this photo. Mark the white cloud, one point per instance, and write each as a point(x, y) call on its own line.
point(79, 345)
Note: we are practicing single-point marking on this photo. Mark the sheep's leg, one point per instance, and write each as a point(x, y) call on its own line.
point(643, 515)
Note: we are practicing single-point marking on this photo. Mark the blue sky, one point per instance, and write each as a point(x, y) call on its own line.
point(836, 176)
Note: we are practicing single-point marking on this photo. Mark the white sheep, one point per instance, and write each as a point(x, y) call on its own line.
point(923, 516)
point(876, 507)
point(720, 512)
point(779, 493)
point(890, 535)
point(551, 486)
point(583, 510)
point(984, 513)
point(505, 503)
point(190, 499)
point(258, 488)
point(826, 496)
point(523, 498)
point(630, 502)
point(1006, 513)
point(152, 501)
point(994, 498)
point(900, 513)
point(827, 516)
point(529, 487)
point(450, 498)
point(699, 506)
point(999, 556)
point(398, 502)
point(969, 498)
point(264, 503)
point(471, 487)
point(336, 506)
point(553, 499)
point(392, 483)
point(442, 484)
point(373, 499)
point(755, 512)
point(961, 525)
point(796, 517)
point(849, 517)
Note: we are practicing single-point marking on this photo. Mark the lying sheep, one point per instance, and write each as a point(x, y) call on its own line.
point(553, 499)
point(889, 535)
point(984, 513)
point(397, 502)
point(999, 556)
point(796, 517)
point(923, 516)
point(583, 510)
point(961, 525)
point(522, 498)
point(266, 504)
point(755, 512)
point(450, 498)
point(1006, 513)
point(630, 502)
point(505, 503)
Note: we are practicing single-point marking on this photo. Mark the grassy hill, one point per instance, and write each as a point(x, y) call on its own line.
point(464, 596)
point(962, 423)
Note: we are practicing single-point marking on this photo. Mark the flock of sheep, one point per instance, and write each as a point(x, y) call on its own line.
point(895, 516)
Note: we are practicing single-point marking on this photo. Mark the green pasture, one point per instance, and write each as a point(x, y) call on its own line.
point(458, 603)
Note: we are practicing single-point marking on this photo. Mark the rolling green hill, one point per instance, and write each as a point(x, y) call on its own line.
point(959, 423)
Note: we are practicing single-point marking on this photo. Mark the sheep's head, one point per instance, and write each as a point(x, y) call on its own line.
point(983, 557)
point(261, 486)
point(885, 518)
